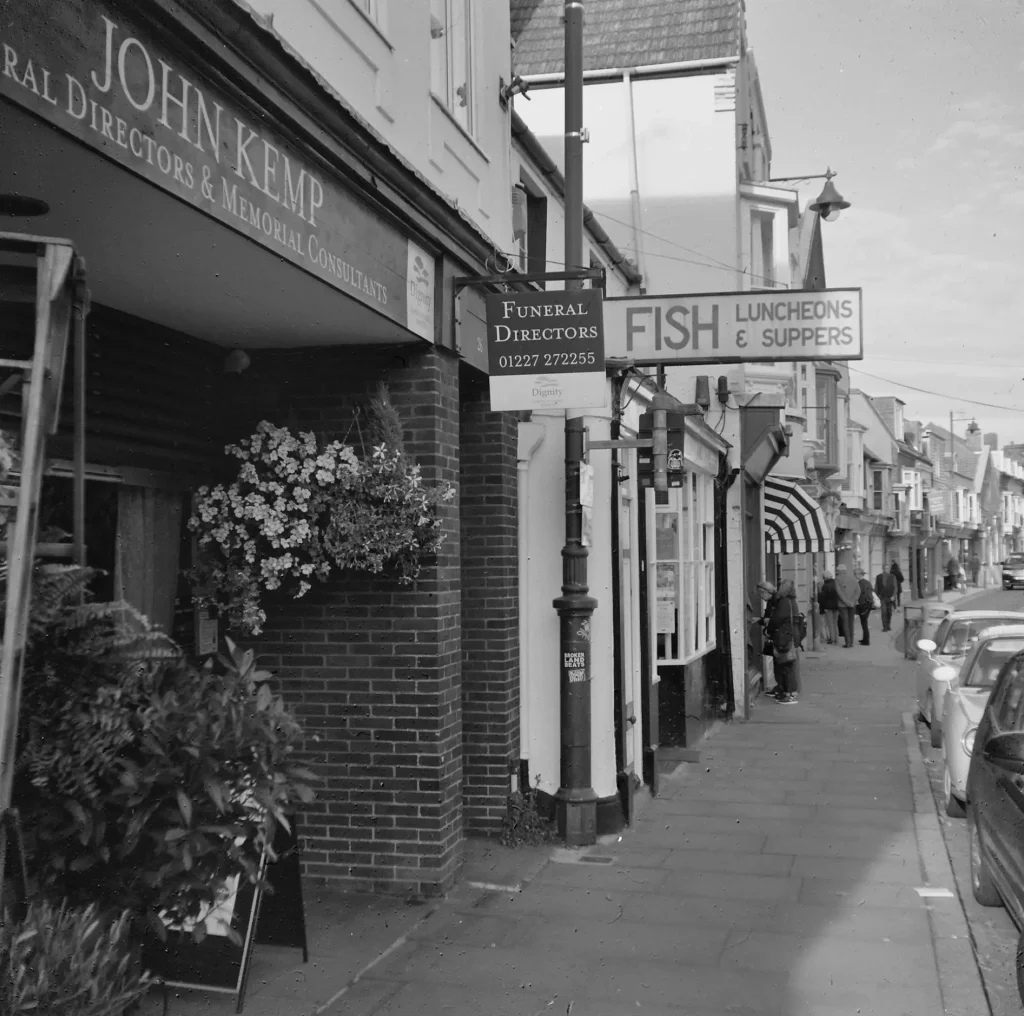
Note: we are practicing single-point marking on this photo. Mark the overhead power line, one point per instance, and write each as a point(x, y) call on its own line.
point(940, 395)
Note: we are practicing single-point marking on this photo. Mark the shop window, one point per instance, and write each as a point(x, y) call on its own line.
point(684, 571)
point(133, 538)
point(451, 58)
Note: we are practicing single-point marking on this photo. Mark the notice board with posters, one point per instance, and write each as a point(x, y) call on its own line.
point(546, 350)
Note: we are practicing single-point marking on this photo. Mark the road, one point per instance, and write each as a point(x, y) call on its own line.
point(995, 937)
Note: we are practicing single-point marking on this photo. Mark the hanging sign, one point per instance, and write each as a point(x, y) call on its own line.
point(546, 350)
point(791, 324)
point(92, 72)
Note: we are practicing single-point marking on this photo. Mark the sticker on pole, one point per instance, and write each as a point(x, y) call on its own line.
point(546, 350)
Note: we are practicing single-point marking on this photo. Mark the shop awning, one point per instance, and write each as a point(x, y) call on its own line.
point(794, 522)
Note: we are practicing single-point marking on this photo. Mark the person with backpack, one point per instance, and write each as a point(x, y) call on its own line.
point(885, 590)
point(783, 629)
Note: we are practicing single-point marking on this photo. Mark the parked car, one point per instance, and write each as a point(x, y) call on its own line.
point(964, 705)
point(995, 795)
point(939, 659)
point(1013, 571)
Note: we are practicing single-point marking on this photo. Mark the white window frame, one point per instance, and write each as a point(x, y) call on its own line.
point(370, 8)
point(452, 64)
point(691, 508)
point(912, 480)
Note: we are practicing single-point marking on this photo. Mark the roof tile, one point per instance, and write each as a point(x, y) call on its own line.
point(626, 33)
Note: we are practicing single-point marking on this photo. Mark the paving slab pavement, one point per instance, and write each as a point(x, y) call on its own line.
point(778, 874)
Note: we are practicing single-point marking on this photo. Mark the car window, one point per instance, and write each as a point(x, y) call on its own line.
point(1008, 704)
point(960, 632)
point(990, 660)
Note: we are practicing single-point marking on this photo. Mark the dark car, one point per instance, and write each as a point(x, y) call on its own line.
point(1013, 571)
point(995, 792)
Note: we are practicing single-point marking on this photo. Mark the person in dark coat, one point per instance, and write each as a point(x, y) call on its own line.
point(782, 629)
point(885, 590)
point(828, 606)
point(865, 604)
point(898, 575)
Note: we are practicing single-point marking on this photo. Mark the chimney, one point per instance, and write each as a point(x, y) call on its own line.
point(992, 440)
point(974, 441)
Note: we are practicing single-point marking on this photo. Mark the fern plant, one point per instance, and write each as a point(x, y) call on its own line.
point(64, 962)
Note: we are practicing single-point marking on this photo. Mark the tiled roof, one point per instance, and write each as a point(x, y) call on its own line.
point(626, 33)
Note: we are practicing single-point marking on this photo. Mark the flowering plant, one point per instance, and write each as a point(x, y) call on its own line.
point(298, 509)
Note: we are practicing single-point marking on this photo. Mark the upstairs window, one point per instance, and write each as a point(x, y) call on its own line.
point(451, 58)
point(877, 491)
point(762, 249)
point(827, 416)
point(371, 8)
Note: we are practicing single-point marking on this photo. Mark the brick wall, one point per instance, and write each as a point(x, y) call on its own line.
point(373, 668)
point(490, 615)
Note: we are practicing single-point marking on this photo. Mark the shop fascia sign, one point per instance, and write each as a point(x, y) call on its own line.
point(792, 324)
point(546, 350)
point(90, 72)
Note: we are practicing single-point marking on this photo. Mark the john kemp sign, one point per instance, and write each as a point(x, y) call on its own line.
point(84, 67)
point(546, 350)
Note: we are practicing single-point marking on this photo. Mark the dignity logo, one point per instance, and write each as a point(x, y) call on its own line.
point(546, 387)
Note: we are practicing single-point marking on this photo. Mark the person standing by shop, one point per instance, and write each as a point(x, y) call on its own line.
point(848, 592)
point(865, 604)
point(828, 607)
point(782, 630)
point(897, 574)
point(885, 590)
point(975, 568)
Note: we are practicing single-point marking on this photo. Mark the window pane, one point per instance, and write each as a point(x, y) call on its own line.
point(439, 48)
point(461, 97)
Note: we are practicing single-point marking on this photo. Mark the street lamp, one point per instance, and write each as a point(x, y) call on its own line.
point(829, 202)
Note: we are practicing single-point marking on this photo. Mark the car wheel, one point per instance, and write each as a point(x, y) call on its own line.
point(984, 888)
point(954, 806)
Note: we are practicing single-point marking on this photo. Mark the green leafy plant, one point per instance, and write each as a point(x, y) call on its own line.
point(62, 961)
point(143, 781)
point(299, 509)
point(523, 824)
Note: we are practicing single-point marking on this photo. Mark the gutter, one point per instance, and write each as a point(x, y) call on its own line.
point(645, 71)
point(553, 175)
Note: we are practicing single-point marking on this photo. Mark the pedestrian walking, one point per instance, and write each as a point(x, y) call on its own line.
point(848, 592)
point(975, 568)
point(897, 573)
point(865, 604)
point(885, 590)
point(782, 629)
point(828, 607)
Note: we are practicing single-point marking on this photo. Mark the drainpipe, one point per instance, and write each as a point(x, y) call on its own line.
point(634, 182)
point(531, 437)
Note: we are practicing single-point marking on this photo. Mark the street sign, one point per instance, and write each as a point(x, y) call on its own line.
point(546, 350)
point(791, 324)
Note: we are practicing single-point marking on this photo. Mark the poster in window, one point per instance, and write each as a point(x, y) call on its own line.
point(667, 597)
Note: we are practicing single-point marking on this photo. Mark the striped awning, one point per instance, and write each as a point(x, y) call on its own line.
point(793, 521)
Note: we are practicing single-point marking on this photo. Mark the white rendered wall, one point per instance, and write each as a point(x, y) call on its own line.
point(382, 73)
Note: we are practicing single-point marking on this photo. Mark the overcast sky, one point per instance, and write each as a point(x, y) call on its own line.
point(919, 106)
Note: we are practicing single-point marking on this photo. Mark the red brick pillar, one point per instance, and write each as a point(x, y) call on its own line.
point(490, 606)
point(372, 667)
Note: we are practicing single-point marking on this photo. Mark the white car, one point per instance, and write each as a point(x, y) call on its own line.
point(939, 659)
point(964, 705)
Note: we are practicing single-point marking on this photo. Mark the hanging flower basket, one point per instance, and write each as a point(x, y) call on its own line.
point(299, 510)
